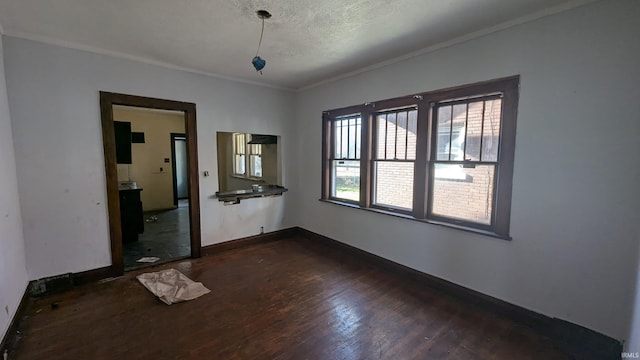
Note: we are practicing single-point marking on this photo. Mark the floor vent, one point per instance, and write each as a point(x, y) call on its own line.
point(51, 285)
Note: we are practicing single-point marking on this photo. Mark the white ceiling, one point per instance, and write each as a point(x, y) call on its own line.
point(305, 42)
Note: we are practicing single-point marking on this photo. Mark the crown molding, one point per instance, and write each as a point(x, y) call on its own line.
point(140, 59)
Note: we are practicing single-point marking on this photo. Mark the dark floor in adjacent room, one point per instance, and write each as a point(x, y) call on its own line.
point(166, 236)
point(286, 299)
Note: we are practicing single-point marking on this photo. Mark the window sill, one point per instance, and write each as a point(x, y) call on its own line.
point(409, 217)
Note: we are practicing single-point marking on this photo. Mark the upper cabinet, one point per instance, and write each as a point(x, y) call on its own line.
point(123, 142)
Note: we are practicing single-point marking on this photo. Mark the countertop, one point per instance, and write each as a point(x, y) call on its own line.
point(237, 195)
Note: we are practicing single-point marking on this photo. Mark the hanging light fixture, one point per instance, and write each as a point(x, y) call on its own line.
point(257, 61)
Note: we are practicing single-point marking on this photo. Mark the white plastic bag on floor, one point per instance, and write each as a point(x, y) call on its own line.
point(172, 286)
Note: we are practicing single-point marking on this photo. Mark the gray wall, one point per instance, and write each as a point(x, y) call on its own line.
point(53, 94)
point(575, 215)
point(13, 273)
point(633, 344)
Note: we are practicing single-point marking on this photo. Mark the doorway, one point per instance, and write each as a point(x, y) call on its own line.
point(179, 167)
point(188, 162)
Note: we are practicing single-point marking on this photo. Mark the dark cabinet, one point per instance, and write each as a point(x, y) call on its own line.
point(131, 218)
point(123, 141)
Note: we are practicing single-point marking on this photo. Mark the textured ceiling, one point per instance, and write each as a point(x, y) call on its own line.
point(305, 42)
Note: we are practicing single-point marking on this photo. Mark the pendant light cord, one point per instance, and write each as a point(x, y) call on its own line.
point(261, 33)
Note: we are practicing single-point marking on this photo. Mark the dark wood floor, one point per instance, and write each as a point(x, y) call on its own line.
point(288, 299)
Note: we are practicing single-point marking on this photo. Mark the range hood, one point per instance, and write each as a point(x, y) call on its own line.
point(263, 139)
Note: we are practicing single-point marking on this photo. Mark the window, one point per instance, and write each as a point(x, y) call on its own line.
point(241, 161)
point(467, 151)
point(443, 157)
point(344, 157)
point(393, 158)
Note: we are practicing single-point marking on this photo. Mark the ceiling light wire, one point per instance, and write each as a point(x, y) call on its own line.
point(257, 61)
point(261, 33)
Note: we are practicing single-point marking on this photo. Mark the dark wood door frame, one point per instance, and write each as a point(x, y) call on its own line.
point(174, 137)
point(107, 100)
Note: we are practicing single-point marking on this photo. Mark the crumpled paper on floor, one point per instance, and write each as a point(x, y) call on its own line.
point(172, 286)
point(148, 259)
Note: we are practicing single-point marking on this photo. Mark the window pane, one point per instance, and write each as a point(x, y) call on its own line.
point(239, 165)
point(396, 135)
point(412, 128)
point(391, 136)
point(347, 137)
point(459, 114)
point(354, 136)
point(337, 130)
point(345, 179)
point(444, 133)
point(255, 149)
point(358, 131)
point(382, 135)
point(463, 193)
point(256, 165)
point(474, 131)
point(401, 133)
point(344, 138)
point(491, 130)
point(394, 184)
point(240, 143)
